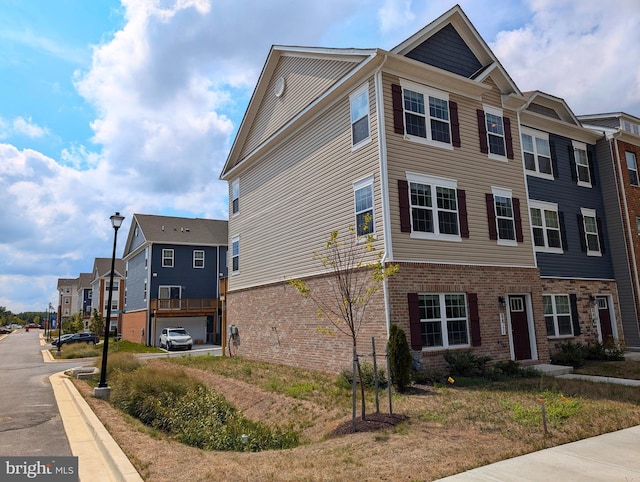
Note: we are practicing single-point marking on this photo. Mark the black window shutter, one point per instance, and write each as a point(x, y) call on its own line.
point(554, 160)
point(572, 163)
point(415, 326)
point(583, 241)
point(455, 124)
point(563, 231)
point(474, 319)
point(507, 137)
point(592, 167)
point(398, 109)
point(403, 201)
point(600, 234)
point(462, 212)
point(482, 132)
point(491, 216)
point(574, 315)
point(518, 219)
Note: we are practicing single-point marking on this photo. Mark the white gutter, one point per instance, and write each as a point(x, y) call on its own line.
point(384, 185)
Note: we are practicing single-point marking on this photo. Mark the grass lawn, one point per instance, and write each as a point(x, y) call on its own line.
point(449, 427)
point(617, 369)
point(83, 350)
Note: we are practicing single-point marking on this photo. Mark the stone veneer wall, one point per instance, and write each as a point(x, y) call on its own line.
point(489, 283)
point(583, 289)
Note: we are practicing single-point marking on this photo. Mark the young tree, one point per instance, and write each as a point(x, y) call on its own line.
point(96, 323)
point(355, 274)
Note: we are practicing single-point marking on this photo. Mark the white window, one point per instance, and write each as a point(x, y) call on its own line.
point(235, 254)
point(167, 258)
point(235, 196)
point(116, 285)
point(582, 164)
point(359, 102)
point(505, 220)
point(638, 225)
point(146, 257)
point(633, 168)
point(443, 319)
point(591, 235)
point(557, 315)
point(545, 225)
point(537, 153)
point(434, 207)
point(495, 133)
point(426, 115)
point(363, 194)
point(198, 258)
point(144, 292)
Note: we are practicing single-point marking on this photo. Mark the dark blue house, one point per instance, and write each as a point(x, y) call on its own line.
point(569, 228)
point(173, 268)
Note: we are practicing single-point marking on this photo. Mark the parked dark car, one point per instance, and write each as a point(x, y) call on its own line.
point(4, 330)
point(89, 338)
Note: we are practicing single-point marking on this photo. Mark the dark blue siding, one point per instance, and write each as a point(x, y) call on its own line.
point(136, 274)
point(573, 263)
point(446, 50)
point(195, 282)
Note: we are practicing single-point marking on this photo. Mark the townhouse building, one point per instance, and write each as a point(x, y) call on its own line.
point(100, 282)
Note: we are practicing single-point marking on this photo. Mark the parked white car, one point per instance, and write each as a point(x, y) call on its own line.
point(176, 337)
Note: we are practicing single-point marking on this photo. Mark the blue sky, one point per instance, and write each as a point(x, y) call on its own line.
point(132, 105)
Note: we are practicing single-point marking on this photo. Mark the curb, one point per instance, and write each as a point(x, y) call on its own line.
point(99, 456)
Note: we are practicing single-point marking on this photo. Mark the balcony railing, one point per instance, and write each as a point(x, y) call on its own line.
point(184, 305)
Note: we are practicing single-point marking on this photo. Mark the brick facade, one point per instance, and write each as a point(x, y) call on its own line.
point(133, 326)
point(583, 289)
point(489, 283)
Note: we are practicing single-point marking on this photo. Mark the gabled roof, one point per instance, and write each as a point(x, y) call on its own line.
point(84, 280)
point(177, 230)
point(102, 268)
point(66, 282)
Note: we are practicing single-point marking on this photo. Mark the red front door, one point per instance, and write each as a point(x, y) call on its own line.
point(602, 303)
point(519, 327)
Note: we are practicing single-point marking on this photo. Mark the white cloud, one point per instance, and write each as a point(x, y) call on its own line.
point(394, 14)
point(21, 127)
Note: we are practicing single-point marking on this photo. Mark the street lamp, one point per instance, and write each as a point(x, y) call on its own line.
point(59, 321)
point(103, 390)
point(47, 335)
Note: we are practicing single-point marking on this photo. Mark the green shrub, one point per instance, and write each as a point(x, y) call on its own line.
point(511, 369)
point(120, 362)
point(570, 353)
point(466, 364)
point(399, 358)
point(610, 350)
point(430, 375)
point(346, 377)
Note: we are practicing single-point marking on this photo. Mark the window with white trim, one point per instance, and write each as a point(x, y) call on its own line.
point(545, 225)
point(363, 198)
point(495, 132)
point(235, 196)
point(537, 152)
point(116, 285)
point(638, 225)
point(426, 114)
point(583, 173)
point(632, 166)
point(591, 235)
point(198, 258)
point(557, 315)
point(167, 258)
point(443, 318)
point(235, 254)
point(359, 102)
point(505, 221)
point(434, 207)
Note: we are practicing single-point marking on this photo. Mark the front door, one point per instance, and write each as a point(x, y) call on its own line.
point(519, 327)
point(602, 302)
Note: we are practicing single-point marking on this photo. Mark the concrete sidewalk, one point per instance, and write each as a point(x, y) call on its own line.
point(608, 457)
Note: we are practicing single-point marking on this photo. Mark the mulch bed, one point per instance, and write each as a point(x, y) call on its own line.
point(372, 422)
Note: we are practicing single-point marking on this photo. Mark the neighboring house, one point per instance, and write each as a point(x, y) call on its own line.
point(424, 140)
point(84, 297)
point(619, 154)
point(173, 268)
point(568, 218)
point(68, 289)
point(100, 279)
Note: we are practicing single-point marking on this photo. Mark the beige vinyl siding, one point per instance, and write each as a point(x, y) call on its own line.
point(305, 80)
point(475, 173)
point(293, 197)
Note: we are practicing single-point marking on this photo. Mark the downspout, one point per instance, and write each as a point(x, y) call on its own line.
point(384, 185)
point(614, 138)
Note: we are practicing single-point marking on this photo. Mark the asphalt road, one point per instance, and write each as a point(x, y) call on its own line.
point(30, 423)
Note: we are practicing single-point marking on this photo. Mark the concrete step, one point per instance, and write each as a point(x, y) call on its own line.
point(552, 370)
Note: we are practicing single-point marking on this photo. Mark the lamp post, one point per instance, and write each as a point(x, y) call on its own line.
point(103, 390)
point(59, 322)
point(47, 335)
